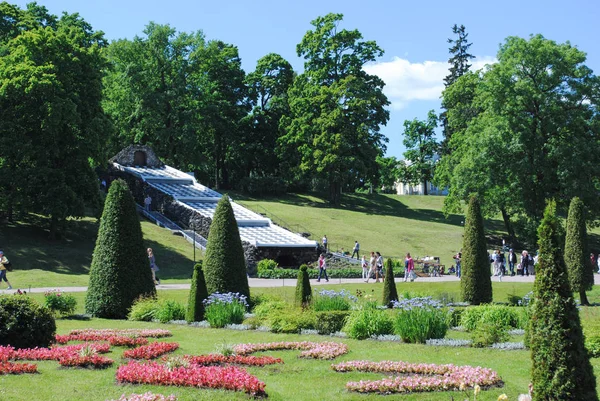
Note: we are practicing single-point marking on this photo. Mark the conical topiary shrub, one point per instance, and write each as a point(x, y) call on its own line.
point(561, 369)
point(224, 262)
point(390, 293)
point(475, 283)
point(120, 271)
point(198, 293)
point(303, 290)
point(580, 270)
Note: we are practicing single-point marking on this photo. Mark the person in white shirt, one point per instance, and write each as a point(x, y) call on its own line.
point(365, 267)
point(324, 240)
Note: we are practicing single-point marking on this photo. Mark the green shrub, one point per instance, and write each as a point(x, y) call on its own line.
point(223, 309)
point(198, 293)
point(592, 345)
point(581, 271)
point(143, 310)
point(263, 309)
point(120, 271)
point(500, 315)
point(366, 322)
point(475, 284)
point(560, 363)
point(265, 265)
point(291, 320)
point(224, 263)
point(416, 325)
point(328, 322)
point(60, 303)
point(169, 310)
point(390, 293)
point(487, 334)
point(303, 293)
point(25, 324)
point(280, 273)
point(329, 300)
point(455, 316)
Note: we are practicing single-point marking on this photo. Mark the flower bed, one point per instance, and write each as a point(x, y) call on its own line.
point(424, 377)
point(106, 334)
point(323, 350)
point(147, 397)
point(229, 378)
point(150, 351)
point(124, 341)
point(9, 368)
point(49, 354)
point(218, 359)
point(85, 361)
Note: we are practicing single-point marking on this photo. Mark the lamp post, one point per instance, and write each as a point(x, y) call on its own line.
point(194, 230)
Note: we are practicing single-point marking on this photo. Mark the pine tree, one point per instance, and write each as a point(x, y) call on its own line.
point(561, 368)
point(390, 293)
point(303, 289)
point(475, 284)
point(580, 270)
point(198, 293)
point(224, 263)
point(120, 271)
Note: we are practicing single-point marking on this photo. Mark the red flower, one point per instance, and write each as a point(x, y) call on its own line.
point(150, 351)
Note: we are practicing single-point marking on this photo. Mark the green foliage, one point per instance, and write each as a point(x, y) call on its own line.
point(59, 303)
point(303, 290)
point(264, 266)
point(120, 271)
point(148, 309)
point(332, 321)
point(329, 300)
point(417, 325)
point(169, 310)
point(475, 284)
point(220, 314)
point(224, 262)
point(504, 316)
point(24, 323)
point(198, 293)
point(592, 344)
point(580, 270)
point(143, 309)
point(313, 273)
point(390, 293)
point(489, 333)
point(560, 362)
point(368, 321)
point(291, 320)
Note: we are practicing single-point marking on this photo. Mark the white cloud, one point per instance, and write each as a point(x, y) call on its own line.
point(406, 82)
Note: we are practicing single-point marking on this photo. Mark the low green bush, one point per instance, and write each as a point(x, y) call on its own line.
point(223, 309)
point(328, 322)
point(486, 334)
point(592, 345)
point(417, 325)
point(148, 309)
point(455, 316)
point(59, 303)
point(291, 320)
point(263, 309)
point(143, 310)
point(265, 266)
point(366, 322)
point(169, 310)
point(500, 315)
point(330, 300)
point(314, 273)
point(24, 323)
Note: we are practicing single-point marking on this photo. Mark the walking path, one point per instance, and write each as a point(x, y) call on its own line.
point(272, 283)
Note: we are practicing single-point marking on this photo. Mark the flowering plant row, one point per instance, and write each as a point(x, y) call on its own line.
point(85, 361)
point(147, 397)
point(229, 377)
point(150, 351)
point(9, 368)
point(124, 341)
point(47, 354)
point(426, 377)
point(226, 298)
point(218, 359)
point(107, 334)
point(323, 350)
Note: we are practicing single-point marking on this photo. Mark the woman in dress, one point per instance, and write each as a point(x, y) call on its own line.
point(409, 268)
point(153, 266)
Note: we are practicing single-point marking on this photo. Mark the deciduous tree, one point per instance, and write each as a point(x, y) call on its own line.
point(421, 149)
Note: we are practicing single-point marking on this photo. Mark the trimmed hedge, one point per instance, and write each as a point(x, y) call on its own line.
point(329, 322)
point(198, 293)
point(224, 263)
point(390, 293)
point(313, 273)
point(120, 272)
point(581, 271)
point(24, 323)
point(303, 289)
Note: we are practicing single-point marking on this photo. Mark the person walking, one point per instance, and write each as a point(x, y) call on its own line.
point(153, 267)
point(379, 265)
point(322, 268)
point(3, 269)
point(324, 241)
point(525, 263)
point(457, 258)
point(365, 267)
point(355, 250)
point(148, 203)
point(512, 260)
point(409, 268)
point(598, 263)
point(372, 266)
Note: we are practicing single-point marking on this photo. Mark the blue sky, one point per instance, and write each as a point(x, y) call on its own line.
point(412, 33)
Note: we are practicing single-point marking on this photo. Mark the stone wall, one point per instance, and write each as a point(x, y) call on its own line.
point(289, 257)
point(126, 156)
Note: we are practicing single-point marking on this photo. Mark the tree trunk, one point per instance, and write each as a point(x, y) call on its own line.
point(334, 192)
point(583, 298)
point(53, 227)
point(509, 228)
point(424, 187)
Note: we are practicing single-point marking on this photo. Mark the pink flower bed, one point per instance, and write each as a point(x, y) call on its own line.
point(9, 368)
point(150, 351)
point(217, 359)
point(124, 341)
point(229, 377)
point(323, 350)
point(425, 377)
point(106, 334)
point(87, 361)
point(47, 354)
point(147, 397)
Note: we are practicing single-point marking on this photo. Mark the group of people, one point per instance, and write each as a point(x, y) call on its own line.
point(372, 267)
point(499, 262)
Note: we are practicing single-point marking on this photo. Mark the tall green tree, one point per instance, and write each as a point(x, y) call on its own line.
point(529, 139)
point(52, 126)
point(475, 283)
point(120, 272)
point(581, 271)
point(459, 66)
point(421, 149)
point(390, 293)
point(224, 263)
point(336, 108)
point(198, 293)
point(561, 368)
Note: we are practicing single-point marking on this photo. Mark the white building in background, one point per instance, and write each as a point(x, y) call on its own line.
point(404, 188)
